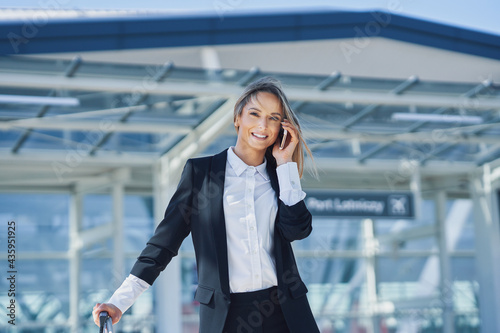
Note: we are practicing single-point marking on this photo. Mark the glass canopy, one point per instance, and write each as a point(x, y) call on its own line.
point(106, 109)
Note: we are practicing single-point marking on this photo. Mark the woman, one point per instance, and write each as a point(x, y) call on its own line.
point(243, 208)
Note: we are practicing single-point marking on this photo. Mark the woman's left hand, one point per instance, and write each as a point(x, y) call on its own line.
point(284, 155)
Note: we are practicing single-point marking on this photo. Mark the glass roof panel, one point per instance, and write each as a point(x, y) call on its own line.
point(130, 142)
point(46, 139)
point(9, 138)
point(333, 148)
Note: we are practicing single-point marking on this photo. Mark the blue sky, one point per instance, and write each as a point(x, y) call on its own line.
point(480, 15)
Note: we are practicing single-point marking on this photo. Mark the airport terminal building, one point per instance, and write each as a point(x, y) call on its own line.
point(99, 111)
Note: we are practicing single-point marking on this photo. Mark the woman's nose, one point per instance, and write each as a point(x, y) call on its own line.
point(263, 122)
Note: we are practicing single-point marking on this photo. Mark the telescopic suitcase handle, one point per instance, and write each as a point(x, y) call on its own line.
point(105, 323)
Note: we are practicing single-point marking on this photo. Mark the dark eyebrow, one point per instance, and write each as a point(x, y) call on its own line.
point(274, 113)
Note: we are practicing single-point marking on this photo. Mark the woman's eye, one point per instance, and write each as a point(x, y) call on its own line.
point(274, 118)
point(254, 114)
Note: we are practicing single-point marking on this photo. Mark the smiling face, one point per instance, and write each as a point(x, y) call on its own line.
point(259, 123)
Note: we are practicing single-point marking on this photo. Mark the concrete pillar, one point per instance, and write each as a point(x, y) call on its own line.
point(445, 281)
point(75, 223)
point(168, 300)
point(484, 189)
point(416, 189)
point(370, 248)
point(118, 235)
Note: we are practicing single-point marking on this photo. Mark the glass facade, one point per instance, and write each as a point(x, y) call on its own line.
point(42, 239)
point(362, 275)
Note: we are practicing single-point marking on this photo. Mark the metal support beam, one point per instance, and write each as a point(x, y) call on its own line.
point(487, 231)
point(465, 101)
point(416, 189)
point(408, 234)
point(75, 223)
point(323, 85)
point(445, 280)
point(118, 233)
point(135, 99)
point(489, 156)
point(93, 125)
point(70, 71)
point(200, 137)
point(372, 151)
point(225, 90)
point(167, 287)
point(370, 249)
point(249, 76)
point(446, 146)
point(439, 150)
point(95, 235)
point(412, 80)
point(451, 136)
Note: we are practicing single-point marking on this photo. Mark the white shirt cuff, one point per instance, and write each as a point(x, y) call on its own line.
point(128, 292)
point(289, 181)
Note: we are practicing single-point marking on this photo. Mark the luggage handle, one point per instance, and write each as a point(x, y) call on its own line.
point(105, 323)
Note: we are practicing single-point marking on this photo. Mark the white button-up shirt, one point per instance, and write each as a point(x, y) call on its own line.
point(250, 207)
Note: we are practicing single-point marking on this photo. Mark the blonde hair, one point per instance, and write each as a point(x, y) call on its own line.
point(271, 85)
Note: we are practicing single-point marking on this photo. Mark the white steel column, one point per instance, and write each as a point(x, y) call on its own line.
point(487, 230)
point(119, 176)
point(416, 189)
point(370, 248)
point(445, 281)
point(168, 300)
point(117, 192)
point(75, 222)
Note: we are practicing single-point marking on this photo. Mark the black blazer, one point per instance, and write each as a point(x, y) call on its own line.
point(197, 207)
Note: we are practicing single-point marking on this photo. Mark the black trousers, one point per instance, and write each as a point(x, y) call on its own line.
point(255, 312)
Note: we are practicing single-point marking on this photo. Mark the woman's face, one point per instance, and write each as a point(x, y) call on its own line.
point(260, 121)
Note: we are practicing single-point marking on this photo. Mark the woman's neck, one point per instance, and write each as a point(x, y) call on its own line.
point(250, 156)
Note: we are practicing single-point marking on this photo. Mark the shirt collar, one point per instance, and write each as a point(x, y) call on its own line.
point(239, 166)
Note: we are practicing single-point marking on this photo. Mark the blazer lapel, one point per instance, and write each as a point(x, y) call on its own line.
point(278, 255)
point(216, 186)
point(273, 176)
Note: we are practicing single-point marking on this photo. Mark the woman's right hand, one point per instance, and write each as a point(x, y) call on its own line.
point(112, 310)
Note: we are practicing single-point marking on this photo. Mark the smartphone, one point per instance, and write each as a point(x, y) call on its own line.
point(283, 140)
